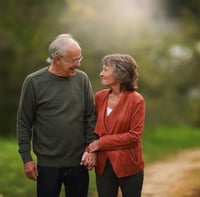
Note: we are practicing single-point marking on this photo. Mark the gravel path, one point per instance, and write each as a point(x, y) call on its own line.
point(162, 176)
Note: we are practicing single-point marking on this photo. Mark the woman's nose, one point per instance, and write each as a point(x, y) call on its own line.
point(101, 74)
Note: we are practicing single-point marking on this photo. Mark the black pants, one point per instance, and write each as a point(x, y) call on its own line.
point(108, 184)
point(50, 179)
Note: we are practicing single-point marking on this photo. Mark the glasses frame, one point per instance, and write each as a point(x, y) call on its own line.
point(72, 61)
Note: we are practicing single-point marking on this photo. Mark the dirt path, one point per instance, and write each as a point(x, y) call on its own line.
point(175, 176)
point(165, 178)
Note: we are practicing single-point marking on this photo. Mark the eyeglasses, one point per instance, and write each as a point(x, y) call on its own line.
point(72, 61)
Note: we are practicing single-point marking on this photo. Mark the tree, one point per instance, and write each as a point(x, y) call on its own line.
point(26, 27)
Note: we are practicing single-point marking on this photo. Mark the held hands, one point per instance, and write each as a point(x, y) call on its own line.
point(89, 160)
point(30, 170)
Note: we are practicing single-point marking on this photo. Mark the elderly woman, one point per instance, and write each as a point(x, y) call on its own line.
point(120, 122)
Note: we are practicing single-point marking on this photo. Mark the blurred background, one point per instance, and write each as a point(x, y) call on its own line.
point(162, 35)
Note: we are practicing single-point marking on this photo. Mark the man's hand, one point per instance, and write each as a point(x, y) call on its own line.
point(30, 170)
point(89, 160)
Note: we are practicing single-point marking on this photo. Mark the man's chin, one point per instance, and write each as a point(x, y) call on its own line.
point(73, 73)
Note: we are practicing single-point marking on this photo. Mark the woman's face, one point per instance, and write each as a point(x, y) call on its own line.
point(107, 78)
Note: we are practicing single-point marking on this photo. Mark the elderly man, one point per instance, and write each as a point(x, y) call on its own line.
point(56, 115)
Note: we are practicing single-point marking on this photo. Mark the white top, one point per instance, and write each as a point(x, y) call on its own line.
point(109, 110)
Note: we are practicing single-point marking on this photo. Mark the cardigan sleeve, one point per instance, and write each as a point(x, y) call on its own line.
point(130, 137)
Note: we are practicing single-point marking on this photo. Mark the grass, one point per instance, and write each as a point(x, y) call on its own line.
point(13, 182)
point(158, 142)
point(161, 141)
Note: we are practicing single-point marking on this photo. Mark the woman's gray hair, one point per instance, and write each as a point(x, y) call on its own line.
point(59, 45)
point(125, 70)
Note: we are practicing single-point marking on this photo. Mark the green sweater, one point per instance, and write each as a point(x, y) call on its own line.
point(58, 115)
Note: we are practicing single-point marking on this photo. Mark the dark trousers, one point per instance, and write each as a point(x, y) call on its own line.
point(50, 180)
point(108, 184)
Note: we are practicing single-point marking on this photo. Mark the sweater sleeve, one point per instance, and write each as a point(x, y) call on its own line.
point(129, 138)
point(25, 118)
point(90, 117)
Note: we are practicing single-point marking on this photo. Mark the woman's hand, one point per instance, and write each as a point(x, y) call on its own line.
point(89, 160)
point(94, 146)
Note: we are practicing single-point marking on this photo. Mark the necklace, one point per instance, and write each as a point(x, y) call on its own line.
point(113, 100)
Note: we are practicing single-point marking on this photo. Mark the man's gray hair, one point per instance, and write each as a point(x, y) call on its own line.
point(59, 45)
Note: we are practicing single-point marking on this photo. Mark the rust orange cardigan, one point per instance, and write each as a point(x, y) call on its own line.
point(120, 133)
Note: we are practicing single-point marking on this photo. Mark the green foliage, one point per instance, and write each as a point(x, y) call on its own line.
point(26, 28)
point(165, 41)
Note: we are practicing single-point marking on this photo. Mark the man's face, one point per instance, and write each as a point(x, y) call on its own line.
point(71, 61)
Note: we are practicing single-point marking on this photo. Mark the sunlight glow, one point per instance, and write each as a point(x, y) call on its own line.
point(120, 15)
